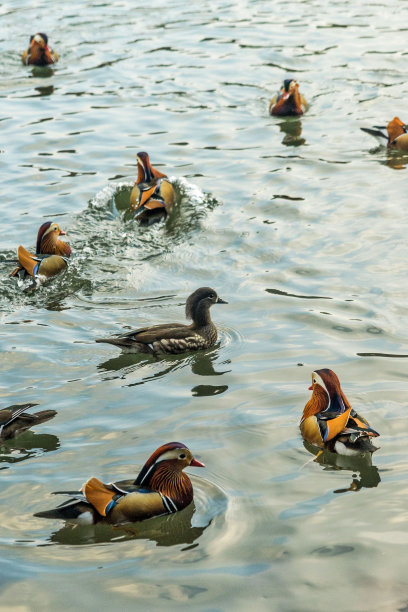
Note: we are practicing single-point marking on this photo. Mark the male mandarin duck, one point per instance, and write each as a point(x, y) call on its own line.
point(288, 101)
point(14, 420)
point(175, 338)
point(51, 253)
point(330, 422)
point(396, 136)
point(160, 488)
point(152, 195)
point(38, 52)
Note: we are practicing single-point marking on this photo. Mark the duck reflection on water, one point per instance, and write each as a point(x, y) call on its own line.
point(169, 530)
point(292, 130)
point(365, 474)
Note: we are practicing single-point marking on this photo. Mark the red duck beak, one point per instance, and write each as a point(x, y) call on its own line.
point(195, 463)
point(310, 388)
point(62, 233)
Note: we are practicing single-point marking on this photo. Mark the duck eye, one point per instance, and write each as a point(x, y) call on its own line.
point(182, 456)
point(314, 380)
point(212, 295)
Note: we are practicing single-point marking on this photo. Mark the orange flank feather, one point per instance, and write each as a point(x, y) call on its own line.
point(336, 426)
point(146, 194)
point(98, 495)
point(26, 260)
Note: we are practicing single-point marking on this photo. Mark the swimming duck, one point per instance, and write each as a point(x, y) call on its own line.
point(152, 196)
point(288, 100)
point(14, 420)
point(38, 52)
point(175, 338)
point(396, 134)
point(160, 488)
point(330, 422)
point(51, 253)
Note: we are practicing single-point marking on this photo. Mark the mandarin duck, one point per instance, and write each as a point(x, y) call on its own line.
point(330, 422)
point(288, 100)
point(174, 338)
point(152, 196)
point(396, 134)
point(160, 488)
point(14, 420)
point(38, 52)
point(51, 253)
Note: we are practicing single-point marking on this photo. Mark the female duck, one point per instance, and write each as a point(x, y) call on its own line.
point(396, 134)
point(152, 195)
point(329, 421)
point(13, 420)
point(160, 488)
point(176, 338)
point(38, 52)
point(288, 101)
point(51, 253)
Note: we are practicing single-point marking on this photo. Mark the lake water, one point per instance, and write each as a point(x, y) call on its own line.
point(299, 224)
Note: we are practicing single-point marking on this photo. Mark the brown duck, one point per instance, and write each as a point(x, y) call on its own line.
point(160, 488)
point(288, 100)
point(152, 196)
point(175, 338)
point(51, 253)
point(14, 420)
point(329, 421)
point(38, 52)
point(395, 134)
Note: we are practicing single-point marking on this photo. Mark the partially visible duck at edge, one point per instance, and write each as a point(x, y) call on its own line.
point(395, 133)
point(160, 488)
point(174, 338)
point(51, 256)
point(14, 419)
point(330, 422)
point(39, 53)
point(152, 196)
point(288, 101)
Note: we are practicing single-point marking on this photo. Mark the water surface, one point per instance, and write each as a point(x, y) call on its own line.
point(299, 224)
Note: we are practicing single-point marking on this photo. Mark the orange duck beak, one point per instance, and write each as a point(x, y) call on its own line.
point(195, 463)
point(62, 233)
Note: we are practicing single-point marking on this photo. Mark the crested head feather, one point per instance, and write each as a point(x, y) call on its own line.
point(286, 84)
point(43, 228)
point(44, 37)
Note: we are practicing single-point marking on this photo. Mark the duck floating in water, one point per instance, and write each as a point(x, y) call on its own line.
point(330, 422)
point(396, 134)
point(152, 196)
point(14, 420)
point(51, 256)
point(174, 338)
point(38, 52)
point(288, 101)
point(160, 488)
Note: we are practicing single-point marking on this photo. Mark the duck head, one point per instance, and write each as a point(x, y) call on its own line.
point(395, 128)
point(145, 171)
point(163, 472)
point(39, 40)
point(327, 394)
point(199, 303)
point(48, 236)
point(289, 88)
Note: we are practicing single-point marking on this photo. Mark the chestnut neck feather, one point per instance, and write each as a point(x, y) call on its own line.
point(167, 478)
point(317, 403)
point(51, 245)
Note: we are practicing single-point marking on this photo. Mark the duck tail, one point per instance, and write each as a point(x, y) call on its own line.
point(375, 132)
point(27, 261)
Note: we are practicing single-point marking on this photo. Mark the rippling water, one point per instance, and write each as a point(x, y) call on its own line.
point(299, 224)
